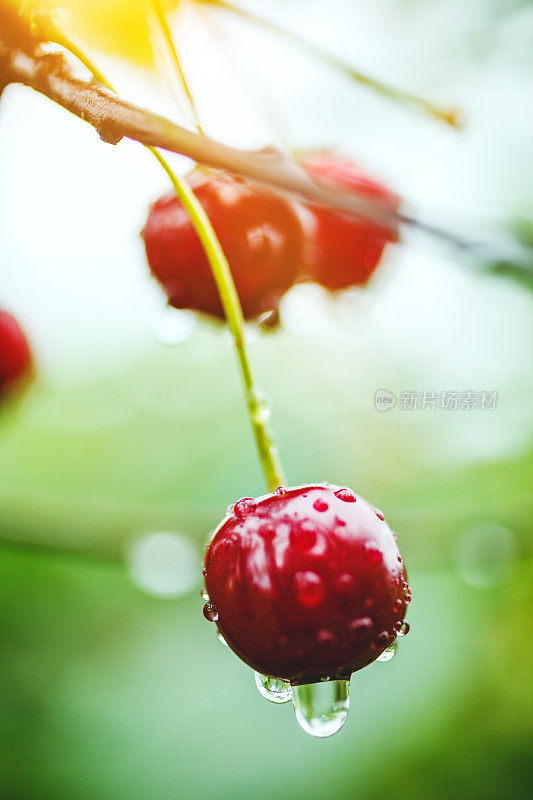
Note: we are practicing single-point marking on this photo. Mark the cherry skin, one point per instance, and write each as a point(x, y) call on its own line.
point(262, 233)
point(16, 363)
point(306, 583)
point(345, 250)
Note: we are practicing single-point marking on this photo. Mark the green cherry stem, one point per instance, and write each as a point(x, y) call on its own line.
point(450, 116)
point(169, 41)
point(266, 447)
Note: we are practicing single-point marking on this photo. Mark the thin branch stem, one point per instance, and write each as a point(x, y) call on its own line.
point(449, 116)
point(169, 41)
point(267, 449)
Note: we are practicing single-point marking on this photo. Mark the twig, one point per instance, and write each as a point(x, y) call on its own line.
point(446, 115)
point(114, 118)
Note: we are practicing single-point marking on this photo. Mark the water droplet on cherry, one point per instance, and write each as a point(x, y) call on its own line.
point(405, 628)
point(326, 637)
point(374, 555)
point(304, 536)
point(309, 588)
point(360, 625)
point(346, 495)
point(210, 612)
point(244, 507)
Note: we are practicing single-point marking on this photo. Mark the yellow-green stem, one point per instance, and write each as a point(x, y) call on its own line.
point(167, 35)
point(268, 452)
point(267, 449)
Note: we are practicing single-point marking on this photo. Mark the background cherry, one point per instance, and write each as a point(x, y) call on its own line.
point(345, 250)
point(261, 232)
point(16, 361)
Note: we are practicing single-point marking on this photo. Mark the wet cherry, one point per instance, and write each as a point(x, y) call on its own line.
point(16, 362)
point(306, 584)
point(261, 231)
point(345, 250)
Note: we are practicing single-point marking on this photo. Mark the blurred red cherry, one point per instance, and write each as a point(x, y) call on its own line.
point(346, 250)
point(261, 232)
point(306, 583)
point(16, 363)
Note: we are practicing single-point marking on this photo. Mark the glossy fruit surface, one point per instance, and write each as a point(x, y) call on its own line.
point(346, 250)
point(306, 583)
point(15, 355)
point(261, 233)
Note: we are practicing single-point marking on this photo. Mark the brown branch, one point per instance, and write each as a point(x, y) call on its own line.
point(113, 117)
point(23, 60)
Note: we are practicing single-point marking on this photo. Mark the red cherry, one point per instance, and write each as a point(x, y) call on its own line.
point(261, 233)
point(307, 584)
point(346, 250)
point(16, 362)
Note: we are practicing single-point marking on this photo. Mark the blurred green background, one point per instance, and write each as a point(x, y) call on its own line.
point(108, 688)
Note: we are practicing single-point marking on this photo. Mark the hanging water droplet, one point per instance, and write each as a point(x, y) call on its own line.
point(321, 708)
point(306, 309)
point(204, 595)
point(273, 689)
point(222, 640)
point(389, 653)
point(174, 326)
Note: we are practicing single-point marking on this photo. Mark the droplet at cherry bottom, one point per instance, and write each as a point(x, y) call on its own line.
point(307, 585)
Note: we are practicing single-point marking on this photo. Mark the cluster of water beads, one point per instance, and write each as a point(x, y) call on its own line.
point(321, 708)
